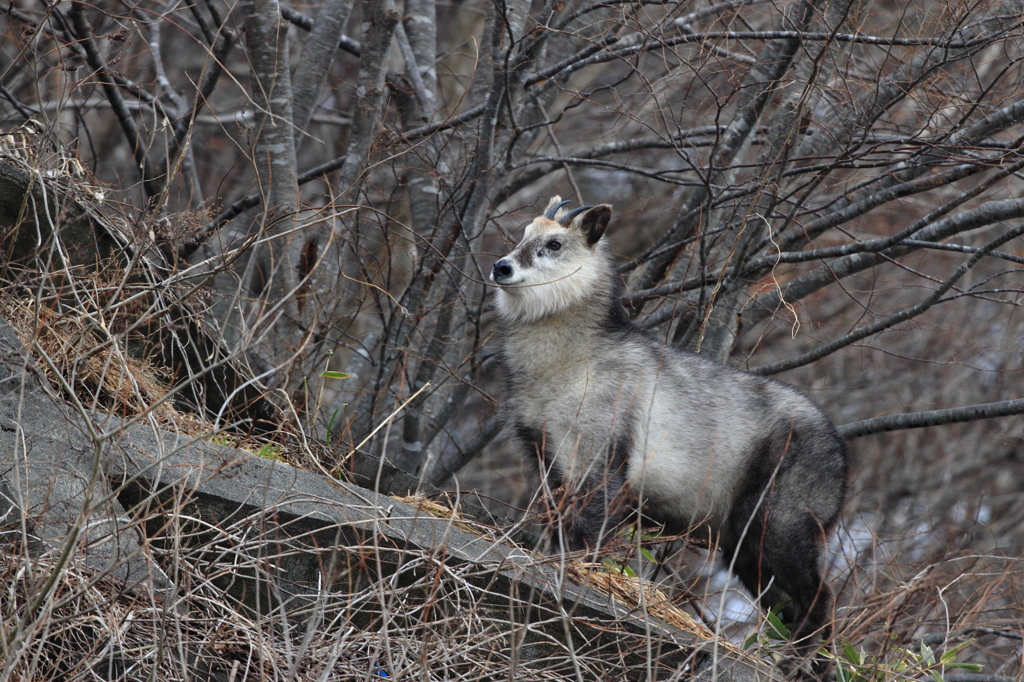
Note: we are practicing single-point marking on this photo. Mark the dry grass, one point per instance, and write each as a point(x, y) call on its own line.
point(92, 630)
point(437, 621)
point(91, 361)
point(643, 595)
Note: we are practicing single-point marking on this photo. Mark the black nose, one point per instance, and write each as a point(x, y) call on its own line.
point(502, 270)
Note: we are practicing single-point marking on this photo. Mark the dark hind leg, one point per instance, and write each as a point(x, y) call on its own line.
point(778, 562)
point(792, 494)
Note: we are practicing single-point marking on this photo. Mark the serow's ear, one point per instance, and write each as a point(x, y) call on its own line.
point(594, 222)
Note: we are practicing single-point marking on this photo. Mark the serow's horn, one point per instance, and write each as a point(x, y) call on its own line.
point(567, 218)
point(550, 213)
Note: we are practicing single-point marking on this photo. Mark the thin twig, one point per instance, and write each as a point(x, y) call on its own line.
point(387, 420)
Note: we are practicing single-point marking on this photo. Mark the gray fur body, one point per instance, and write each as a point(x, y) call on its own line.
point(613, 415)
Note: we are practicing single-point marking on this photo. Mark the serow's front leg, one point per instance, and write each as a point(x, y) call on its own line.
point(591, 512)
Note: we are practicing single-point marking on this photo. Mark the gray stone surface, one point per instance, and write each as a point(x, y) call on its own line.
point(49, 471)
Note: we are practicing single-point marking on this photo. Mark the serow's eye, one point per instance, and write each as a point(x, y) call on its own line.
point(554, 245)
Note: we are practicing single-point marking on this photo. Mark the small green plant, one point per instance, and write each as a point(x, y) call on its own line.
point(857, 665)
point(330, 422)
point(617, 565)
point(775, 633)
point(631, 536)
point(270, 451)
point(860, 666)
point(222, 439)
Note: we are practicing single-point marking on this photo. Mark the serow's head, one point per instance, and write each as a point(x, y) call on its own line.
point(561, 261)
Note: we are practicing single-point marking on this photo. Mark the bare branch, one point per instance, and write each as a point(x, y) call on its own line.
point(421, 28)
point(893, 185)
point(918, 420)
point(22, 109)
point(451, 464)
point(412, 70)
point(272, 269)
point(960, 248)
point(419, 50)
point(891, 320)
point(854, 38)
point(128, 126)
point(266, 42)
point(773, 62)
point(807, 283)
point(307, 23)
